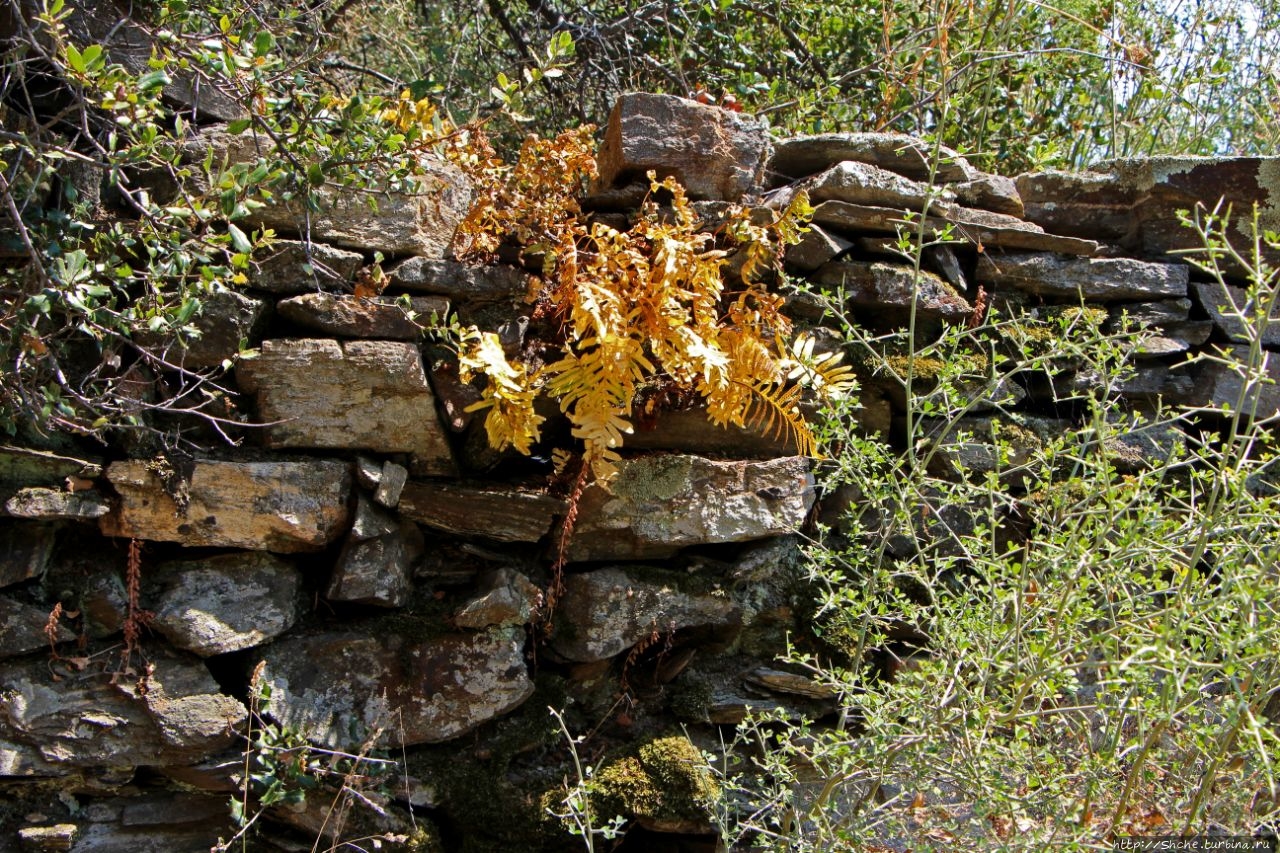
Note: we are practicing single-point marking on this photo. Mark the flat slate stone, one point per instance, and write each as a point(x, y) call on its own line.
point(801, 156)
point(877, 285)
point(495, 282)
point(299, 505)
point(290, 266)
point(25, 549)
point(991, 192)
point(1217, 301)
point(658, 504)
point(22, 628)
point(864, 184)
point(339, 689)
point(502, 513)
point(713, 153)
point(382, 317)
point(1091, 279)
point(358, 395)
point(55, 504)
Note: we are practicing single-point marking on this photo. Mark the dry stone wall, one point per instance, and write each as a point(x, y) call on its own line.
point(369, 558)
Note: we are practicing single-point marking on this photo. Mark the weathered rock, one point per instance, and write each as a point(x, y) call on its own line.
point(1163, 186)
point(420, 220)
point(1142, 443)
point(976, 446)
point(340, 689)
point(25, 548)
point(299, 505)
point(227, 603)
point(459, 281)
point(22, 467)
point(659, 504)
point(156, 821)
point(1090, 205)
point(370, 395)
point(864, 184)
point(942, 259)
point(780, 681)
point(376, 563)
point(196, 95)
point(906, 155)
point(605, 612)
point(1150, 383)
point(226, 320)
point(991, 192)
point(56, 837)
point(53, 504)
point(291, 266)
point(22, 628)
point(352, 317)
point(691, 431)
point(713, 153)
point(506, 598)
point(175, 715)
point(815, 249)
point(877, 285)
point(1146, 315)
point(1220, 386)
point(391, 484)
point(974, 226)
point(368, 471)
point(1095, 280)
point(505, 514)
point(1231, 312)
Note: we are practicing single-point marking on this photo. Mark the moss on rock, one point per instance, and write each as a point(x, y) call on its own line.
point(665, 785)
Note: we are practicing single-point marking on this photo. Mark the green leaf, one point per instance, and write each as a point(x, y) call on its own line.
point(239, 240)
point(153, 80)
point(315, 175)
point(92, 57)
point(75, 59)
point(238, 126)
point(262, 43)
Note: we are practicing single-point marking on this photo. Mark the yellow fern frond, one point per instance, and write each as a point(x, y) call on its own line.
point(776, 411)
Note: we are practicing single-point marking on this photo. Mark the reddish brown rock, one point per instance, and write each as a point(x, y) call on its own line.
point(906, 155)
point(299, 505)
point(386, 317)
point(505, 514)
point(713, 153)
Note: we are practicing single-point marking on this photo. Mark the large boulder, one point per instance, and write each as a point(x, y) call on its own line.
point(370, 395)
point(713, 153)
point(299, 505)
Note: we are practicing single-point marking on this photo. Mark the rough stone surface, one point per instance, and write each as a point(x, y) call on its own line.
point(714, 153)
point(25, 548)
point(1218, 303)
point(299, 505)
point(1096, 279)
point(370, 395)
point(505, 597)
point(226, 320)
point(22, 628)
point(815, 249)
point(390, 484)
point(877, 285)
point(659, 504)
point(864, 184)
point(691, 431)
point(974, 227)
point(340, 688)
point(906, 155)
point(1165, 185)
point(1221, 387)
point(376, 563)
point(51, 728)
point(291, 266)
point(55, 504)
point(22, 467)
point(605, 612)
point(352, 317)
point(458, 281)
point(991, 192)
point(505, 514)
point(227, 603)
point(417, 222)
